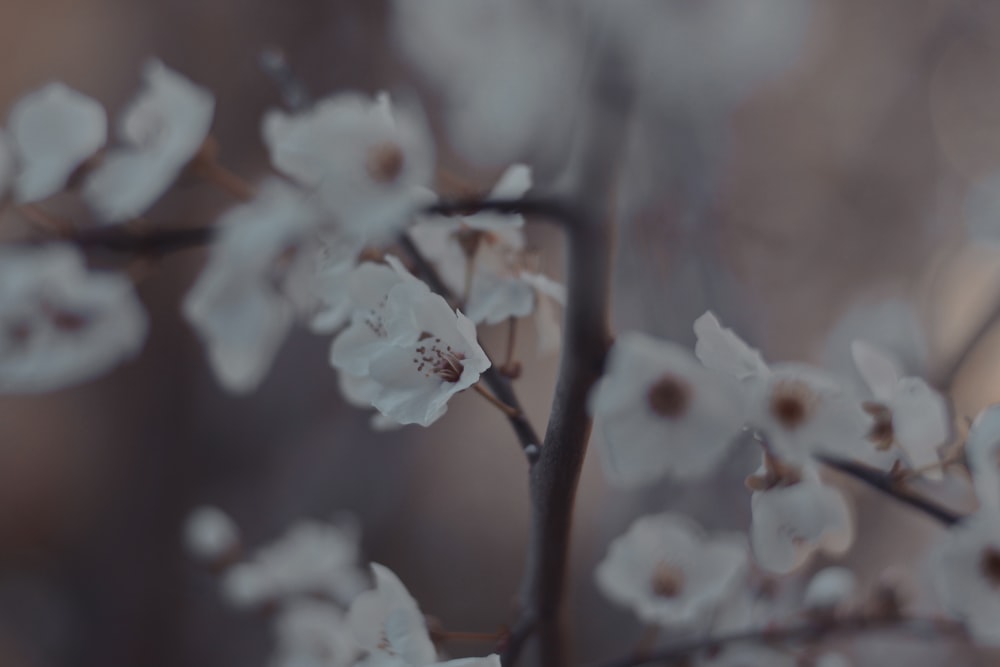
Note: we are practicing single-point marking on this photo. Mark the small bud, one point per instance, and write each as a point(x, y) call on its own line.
point(211, 535)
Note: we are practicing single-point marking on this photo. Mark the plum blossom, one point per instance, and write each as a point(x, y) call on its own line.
point(53, 130)
point(368, 162)
point(312, 633)
point(317, 282)
point(965, 571)
point(722, 350)
point(387, 623)
point(830, 589)
point(669, 572)
point(210, 534)
point(907, 411)
point(982, 448)
point(360, 391)
point(662, 413)
point(162, 130)
point(417, 351)
point(795, 515)
point(61, 324)
point(239, 306)
point(313, 557)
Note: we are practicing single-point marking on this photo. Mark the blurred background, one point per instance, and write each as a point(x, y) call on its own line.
point(824, 202)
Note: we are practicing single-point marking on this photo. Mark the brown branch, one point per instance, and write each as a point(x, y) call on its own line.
point(809, 632)
point(886, 483)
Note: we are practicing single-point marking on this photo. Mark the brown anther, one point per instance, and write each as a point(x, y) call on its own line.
point(669, 397)
point(791, 403)
point(385, 162)
point(468, 240)
point(68, 321)
point(989, 565)
point(882, 433)
point(667, 581)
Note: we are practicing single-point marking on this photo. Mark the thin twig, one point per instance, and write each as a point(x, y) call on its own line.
point(889, 485)
point(495, 402)
point(803, 633)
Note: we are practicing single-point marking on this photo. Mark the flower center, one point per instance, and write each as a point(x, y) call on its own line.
point(791, 403)
point(434, 358)
point(667, 581)
point(989, 565)
point(882, 432)
point(385, 162)
point(669, 397)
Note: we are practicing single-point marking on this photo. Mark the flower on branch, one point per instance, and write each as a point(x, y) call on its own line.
point(61, 324)
point(312, 633)
point(53, 130)
point(162, 130)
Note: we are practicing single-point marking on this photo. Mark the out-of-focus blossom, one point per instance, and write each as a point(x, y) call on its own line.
point(312, 558)
point(406, 339)
point(210, 534)
point(312, 633)
point(162, 130)
point(239, 306)
point(669, 572)
point(317, 282)
point(722, 350)
point(830, 588)
point(368, 162)
point(965, 571)
point(662, 412)
point(6, 163)
point(53, 131)
point(61, 324)
point(982, 448)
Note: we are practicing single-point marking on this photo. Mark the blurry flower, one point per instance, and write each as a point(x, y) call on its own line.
point(965, 571)
point(550, 297)
point(797, 517)
point(7, 166)
point(406, 339)
point(982, 449)
point(238, 305)
point(749, 656)
point(722, 350)
point(61, 324)
point(368, 163)
point(669, 572)
point(832, 660)
point(53, 130)
point(312, 558)
point(163, 129)
point(209, 534)
point(830, 588)
point(662, 413)
point(312, 633)
point(317, 282)
point(918, 417)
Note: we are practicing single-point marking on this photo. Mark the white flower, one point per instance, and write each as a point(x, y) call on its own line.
point(830, 588)
point(163, 129)
point(388, 624)
point(61, 324)
point(311, 558)
point(669, 572)
point(53, 130)
point(795, 518)
point(408, 341)
point(918, 417)
point(662, 413)
point(368, 163)
point(982, 447)
point(312, 633)
point(965, 571)
point(238, 305)
point(317, 282)
point(360, 391)
point(210, 534)
point(722, 350)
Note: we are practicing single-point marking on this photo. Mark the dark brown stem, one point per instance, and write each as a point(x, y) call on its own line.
point(681, 652)
point(889, 485)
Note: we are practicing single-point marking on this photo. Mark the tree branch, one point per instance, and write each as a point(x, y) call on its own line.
point(885, 483)
point(804, 633)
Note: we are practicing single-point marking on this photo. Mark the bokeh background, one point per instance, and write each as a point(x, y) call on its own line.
point(827, 201)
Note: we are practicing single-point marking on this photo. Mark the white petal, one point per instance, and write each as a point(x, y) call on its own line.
point(880, 369)
point(722, 350)
point(982, 446)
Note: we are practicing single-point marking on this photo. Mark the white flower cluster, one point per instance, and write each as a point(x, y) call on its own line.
point(324, 617)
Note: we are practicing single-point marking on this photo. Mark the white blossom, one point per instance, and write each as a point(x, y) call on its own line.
point(722, 350)
point(210, 534)
point(317, 282)
point(830, 588)
point(965, 571)
point(238, 306)
point(797, 517)
point(162, 130)
point(368, 163)
point(312, 633)
point(669, 572)
point(61, 324)
point(982, 448)
point(311, 558)
point(361, 391)
point(662, 412)
point(407, 340)
point(53, 131)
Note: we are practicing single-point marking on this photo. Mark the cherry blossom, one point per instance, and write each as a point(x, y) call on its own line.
point(669, 572)
point(368, 162)
point(795, 515)
point(162, 130)
point(982, 447)
point(313, 557)
point(52, 131)
point(722, 350)
point(360, 391)
point(409, 342)
point(830, 589)
point(965, 571)
point(239, 306)
point(61, 324)
point(317, 282)
point(312, 633)
point(210, 534)
point(662, 413)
